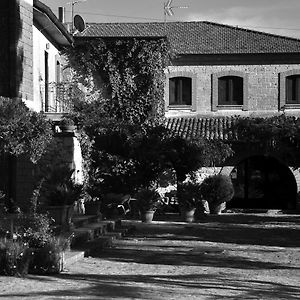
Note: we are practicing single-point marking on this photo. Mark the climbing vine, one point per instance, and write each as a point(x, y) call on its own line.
point(278, 135)
point(129, 70)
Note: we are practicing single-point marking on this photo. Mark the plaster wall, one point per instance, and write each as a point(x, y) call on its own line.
point(42, 45)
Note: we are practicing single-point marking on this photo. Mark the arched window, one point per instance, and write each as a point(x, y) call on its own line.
point(180, 91)
point(293, 89)
point(230, 90)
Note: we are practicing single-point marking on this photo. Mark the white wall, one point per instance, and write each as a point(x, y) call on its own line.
point(40, 45)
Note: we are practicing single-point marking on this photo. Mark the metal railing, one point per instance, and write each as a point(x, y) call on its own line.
point(59, 97)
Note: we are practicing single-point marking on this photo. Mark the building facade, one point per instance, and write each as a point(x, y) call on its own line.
point(218, 72)
point(32, 70)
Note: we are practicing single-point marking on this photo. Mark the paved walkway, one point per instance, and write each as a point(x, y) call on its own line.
point(222, 257)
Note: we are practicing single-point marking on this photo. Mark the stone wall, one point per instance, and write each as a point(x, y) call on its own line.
point(16, 20)
point(64, 149)
point(263, 87)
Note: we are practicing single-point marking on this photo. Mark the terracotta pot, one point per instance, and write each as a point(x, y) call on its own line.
point(147, 216)
point(188, 214)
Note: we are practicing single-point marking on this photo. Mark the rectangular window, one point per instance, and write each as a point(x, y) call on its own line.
point(180, 91)
point(230, 90)
point(293, 89)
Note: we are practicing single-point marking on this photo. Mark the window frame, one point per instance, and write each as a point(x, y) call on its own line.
point(182, 85)
point(215, 91)
point(190, 75)
point(283, 92)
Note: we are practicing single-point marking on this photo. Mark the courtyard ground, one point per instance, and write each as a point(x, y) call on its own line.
point(232, 256)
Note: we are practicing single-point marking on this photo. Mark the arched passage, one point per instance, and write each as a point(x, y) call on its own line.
point(263, 182)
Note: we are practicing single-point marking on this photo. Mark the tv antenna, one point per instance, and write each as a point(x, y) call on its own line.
point(72, 3)
point(168, 9)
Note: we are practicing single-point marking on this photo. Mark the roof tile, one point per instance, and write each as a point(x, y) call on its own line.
point(206, 127)
point(199, 37)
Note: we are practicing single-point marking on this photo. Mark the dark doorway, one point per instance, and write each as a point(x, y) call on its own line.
point(263, 182)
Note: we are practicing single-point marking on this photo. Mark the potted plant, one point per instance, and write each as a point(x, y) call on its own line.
point(188, 196)
point(217, 190)
point(67, 125)
point(61, 194)
point(148, 200)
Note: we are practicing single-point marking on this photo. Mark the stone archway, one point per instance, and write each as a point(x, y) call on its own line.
point(263, 182)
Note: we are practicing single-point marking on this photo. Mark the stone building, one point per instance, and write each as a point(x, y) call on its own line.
point(32, 69)
point(222, 71)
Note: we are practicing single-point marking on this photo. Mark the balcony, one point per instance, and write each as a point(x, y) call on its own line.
point(58, 98)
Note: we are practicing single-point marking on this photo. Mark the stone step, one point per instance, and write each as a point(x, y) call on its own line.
point(71, 257)
point(97, 245)
point(82, 220)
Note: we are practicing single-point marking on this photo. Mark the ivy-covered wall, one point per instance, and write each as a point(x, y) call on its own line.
point(130, 72)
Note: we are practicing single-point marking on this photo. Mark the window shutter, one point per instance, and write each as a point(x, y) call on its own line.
point(297, 90)
point(238, 91)
point(186, 91)
point(222, 91)
point(172, 87)
point(289, 89)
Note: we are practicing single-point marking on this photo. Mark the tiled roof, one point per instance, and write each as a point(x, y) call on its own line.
point(199, 37)
point(210, 128)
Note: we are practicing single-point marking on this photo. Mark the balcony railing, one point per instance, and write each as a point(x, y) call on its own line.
point(59, 97)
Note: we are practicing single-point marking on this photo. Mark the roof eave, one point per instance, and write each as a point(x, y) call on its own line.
point(48, 23)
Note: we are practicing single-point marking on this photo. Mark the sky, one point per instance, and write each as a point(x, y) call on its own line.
point(273, 16)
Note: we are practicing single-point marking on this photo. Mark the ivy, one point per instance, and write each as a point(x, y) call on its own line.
point(131, 72)
point(277, 135)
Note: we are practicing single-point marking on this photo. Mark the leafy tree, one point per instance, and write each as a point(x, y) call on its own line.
point(277, 135)
point(187, 156)
point(22, 131)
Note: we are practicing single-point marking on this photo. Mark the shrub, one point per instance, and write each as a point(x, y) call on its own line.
point(60, 187)
point(48, 259)
point(147, 199)
point(34, 229)
point(217, 189)
point(14, 258)
point(188, 194)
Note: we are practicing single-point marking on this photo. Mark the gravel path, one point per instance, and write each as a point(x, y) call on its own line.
point(223, 257)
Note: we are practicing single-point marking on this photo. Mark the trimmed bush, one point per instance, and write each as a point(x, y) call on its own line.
point(217, 189)
point(188, 194)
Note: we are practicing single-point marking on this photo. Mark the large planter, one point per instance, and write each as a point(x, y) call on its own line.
point(62, 214)
point(67, 128)
point(45, 261)
point(216, 209)
point(147, 216)
point(187, 214)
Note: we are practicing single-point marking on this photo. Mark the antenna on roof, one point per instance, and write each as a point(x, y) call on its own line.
point(72, 12)
point(168, 9)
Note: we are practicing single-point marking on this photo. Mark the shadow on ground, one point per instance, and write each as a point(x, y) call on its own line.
point(264, 230)
point(163, 287)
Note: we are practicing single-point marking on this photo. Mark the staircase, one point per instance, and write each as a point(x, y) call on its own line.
point(90, 232)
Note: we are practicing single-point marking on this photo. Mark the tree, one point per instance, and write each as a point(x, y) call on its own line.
point(23, 131)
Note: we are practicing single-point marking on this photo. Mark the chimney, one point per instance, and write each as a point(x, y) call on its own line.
point(61, 14)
